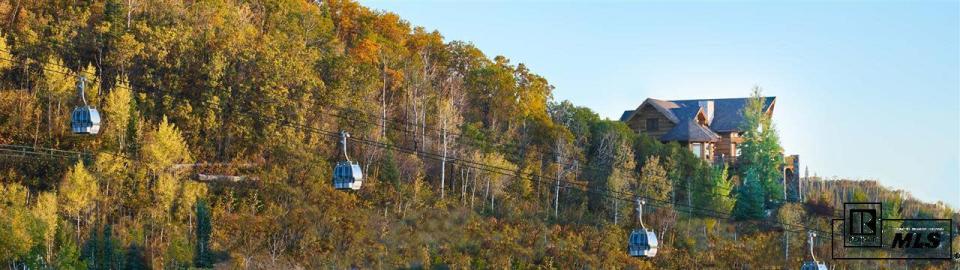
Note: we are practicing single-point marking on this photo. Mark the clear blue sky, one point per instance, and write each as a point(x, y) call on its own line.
point(866, 90)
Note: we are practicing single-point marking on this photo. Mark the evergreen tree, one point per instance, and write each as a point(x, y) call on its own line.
point(100, 250)
point(721, 188)
point(135, 258)
point(749, 203)
point(760, 151)
point(203, 258)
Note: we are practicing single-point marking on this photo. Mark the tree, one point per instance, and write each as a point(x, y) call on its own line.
point(653, 181)
point(45, 211)
point(15, 221)
point(68, 254)
point(717, 190)
point(623, 169)
point(164, 148)
point(792, 215)
point(611, 161)
point(118, 109)
point(496, 181)
point(203, 258)
point(760, 151)
point(101, 251)
point(77, 192)
point(749, 205)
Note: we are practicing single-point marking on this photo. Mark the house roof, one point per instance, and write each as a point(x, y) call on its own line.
point(626, 115)
point(727, 112)
point(690, 131)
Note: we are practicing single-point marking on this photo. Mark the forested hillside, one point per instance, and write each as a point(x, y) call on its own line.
point(220, 134)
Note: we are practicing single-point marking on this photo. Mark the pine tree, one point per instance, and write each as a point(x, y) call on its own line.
point(202, 257)
point(761, 153)
point(749, 203)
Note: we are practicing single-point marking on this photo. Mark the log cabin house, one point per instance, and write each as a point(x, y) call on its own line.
point(710, 128)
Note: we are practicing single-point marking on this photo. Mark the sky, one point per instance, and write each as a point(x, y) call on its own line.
point(865, 90)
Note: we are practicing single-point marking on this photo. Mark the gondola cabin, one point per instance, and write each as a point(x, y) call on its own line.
point(347, 175)
point(813, 265)
point(85, 120)
point(643, 243)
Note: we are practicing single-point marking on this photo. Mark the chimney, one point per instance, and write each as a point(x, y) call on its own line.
point(707, 106)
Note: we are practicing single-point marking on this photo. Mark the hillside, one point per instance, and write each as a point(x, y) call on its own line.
point(220, 135)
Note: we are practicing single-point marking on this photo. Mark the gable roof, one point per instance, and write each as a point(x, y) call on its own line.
point(727, 112)
point(662, 106)
point(626, 115)
point(690, 131)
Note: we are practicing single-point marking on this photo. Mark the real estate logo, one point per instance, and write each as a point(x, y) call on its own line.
point(862, 228)
point(866, 235)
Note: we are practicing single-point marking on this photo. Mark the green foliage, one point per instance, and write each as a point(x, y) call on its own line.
point(68, 254)
point(611, 163)
point(389, 172)
point(750, 198)
point(653, 181)
point(101, 250)
point(203, 257)
point(135, 258)
point(717, 189)
point(760, 153)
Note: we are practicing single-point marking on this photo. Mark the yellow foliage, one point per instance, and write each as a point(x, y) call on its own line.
point(14, 195)
point(45, 211)
point(187, 200)
point(58, 83)
point(165, 147)
point(164, 192)
point(117, 112)
point(77, 191)
point(5, 57)
point(14, 237)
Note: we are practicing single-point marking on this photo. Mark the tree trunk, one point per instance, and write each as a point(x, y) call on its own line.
point(487, 193)
point(786, 248)
point(383, 98)
point(443, 163)
point(556, 193)
point(473, 193)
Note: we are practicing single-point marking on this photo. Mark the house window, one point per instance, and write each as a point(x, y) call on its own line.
point(653, 124)
point(697, 149)
point(736, 151)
